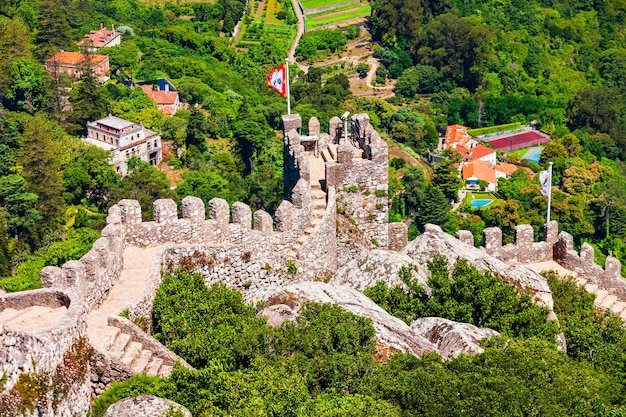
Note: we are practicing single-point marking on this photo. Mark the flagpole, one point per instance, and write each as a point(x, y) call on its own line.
point(549, 191)
point(287, 80)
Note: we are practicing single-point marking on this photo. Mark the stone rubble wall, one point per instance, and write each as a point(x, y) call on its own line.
point(318, 255)
point(608, 278)
point(252, 271)
point(368, 204)
point(95, 273)
point(38, 352)
point(559, 248)
point(524, 250)
point(43, 352)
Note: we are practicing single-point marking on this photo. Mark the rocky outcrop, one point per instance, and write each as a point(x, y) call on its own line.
point(452, 338)
point(391, 332)
point(434, 241)
point(377, 265)
point(145, 406)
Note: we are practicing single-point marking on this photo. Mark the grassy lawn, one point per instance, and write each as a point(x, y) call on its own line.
point(312, 4)
point(518, 154)
point(338, 15)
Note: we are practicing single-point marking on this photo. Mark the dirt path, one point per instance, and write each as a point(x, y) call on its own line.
point(292, 50)
point(259, 10)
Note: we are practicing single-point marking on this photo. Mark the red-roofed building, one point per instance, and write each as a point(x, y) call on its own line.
point(165, 96)
point(71, 63)
point(477, 153)
point(475, 171)
point(101, 38)
point(456, 135)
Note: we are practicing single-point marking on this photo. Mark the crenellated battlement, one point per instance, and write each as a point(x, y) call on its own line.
point(558, 247)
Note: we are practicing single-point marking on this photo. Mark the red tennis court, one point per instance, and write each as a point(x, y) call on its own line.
point(520, 140)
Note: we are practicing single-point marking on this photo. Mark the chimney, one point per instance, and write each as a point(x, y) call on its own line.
point(167, 86)
point(101, 26)
point(112, 29)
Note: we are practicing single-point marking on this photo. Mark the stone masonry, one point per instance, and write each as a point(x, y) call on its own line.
point(327, 179)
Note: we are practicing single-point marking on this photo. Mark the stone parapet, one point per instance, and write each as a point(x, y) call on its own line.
point(98, 270)
point(41, 351)
point(608, 278)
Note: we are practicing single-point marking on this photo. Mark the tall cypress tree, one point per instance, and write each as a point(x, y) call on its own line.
point(39, 155)
point(53, 31)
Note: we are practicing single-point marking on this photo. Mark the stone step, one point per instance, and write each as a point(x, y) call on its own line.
point(600, 295)
point(302, 239)
point(165, 371)
point(318, 212)
point(608, 301)
point(318, 195)
point(141, 363)
point(119, 345)
point(592, 288)
point(332, 150)
point(316, 186)
point(618, 307)
point(325, 155)
point(317, 221)
point(133, 349)
point(309, 230)
point(153, 366)
point(292, 254)
point(581, 281)
point(358, 154)
point(110, 334)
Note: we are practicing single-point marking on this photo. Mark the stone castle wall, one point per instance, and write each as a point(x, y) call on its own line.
point(42, 352)
point(361, 184)
point(94, 274)
point(558, 248)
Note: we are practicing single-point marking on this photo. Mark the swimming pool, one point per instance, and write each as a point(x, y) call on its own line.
point(481, 203)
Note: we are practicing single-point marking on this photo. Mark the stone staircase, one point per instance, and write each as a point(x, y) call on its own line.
point(604, 300)
point(122, 347)
point(318, 208)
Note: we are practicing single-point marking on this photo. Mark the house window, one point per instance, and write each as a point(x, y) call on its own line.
point(148, 145)
point(156, 143)
point(117, 142)
point(97, 136)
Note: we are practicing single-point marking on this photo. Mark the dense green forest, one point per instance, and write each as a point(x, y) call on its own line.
point(325, 363)
point(558, 63)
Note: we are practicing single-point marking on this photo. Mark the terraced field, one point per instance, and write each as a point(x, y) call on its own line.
point(338, 15)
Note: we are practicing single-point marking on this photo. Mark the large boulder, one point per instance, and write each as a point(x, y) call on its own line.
point(452, 338)
point(391, 333)
point(145, 406)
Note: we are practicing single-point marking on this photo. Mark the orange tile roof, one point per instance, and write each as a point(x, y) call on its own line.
point(480, 170)
point(75, 58)
point(507, 169)
point(160, 96)
point(456, 134)
point(480, 151)
point(99, 38)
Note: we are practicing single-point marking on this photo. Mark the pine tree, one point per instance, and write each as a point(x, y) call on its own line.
point(54, 32)
point(39, 155)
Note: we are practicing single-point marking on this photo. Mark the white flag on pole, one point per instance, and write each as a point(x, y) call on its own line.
point(544, 179)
